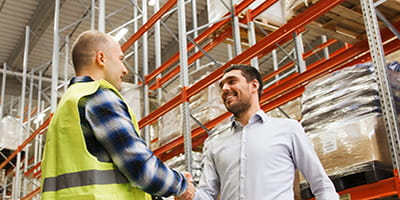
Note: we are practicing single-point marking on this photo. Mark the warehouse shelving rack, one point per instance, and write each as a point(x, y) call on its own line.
point(279, 93)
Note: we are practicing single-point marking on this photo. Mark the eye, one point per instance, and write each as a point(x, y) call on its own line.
point(231, 81)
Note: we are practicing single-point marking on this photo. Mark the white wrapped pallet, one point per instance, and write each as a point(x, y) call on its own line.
point(9, 134)
point(278, 14)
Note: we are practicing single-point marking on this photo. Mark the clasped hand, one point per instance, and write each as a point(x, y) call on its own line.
point(190, 191)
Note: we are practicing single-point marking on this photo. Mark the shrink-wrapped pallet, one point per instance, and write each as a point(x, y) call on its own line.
point(10, 130)
point(345, 144)
point(291, 109)
point(394, 81)
point(133, 95)
point(277, 15)
point(343, 119)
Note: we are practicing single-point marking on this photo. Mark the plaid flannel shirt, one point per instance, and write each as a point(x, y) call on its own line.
point(110, 136)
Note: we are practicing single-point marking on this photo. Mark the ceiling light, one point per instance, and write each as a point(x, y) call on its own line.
point(120, 34)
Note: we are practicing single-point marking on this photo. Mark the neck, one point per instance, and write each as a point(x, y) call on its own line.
point(244, 117)
point(94, 74)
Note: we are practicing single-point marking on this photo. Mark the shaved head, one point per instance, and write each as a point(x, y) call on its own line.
point(86, 46)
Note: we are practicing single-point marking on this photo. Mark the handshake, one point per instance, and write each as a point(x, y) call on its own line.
point(190, 190)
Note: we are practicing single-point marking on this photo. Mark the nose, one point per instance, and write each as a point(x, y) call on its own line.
point(225, 87)
point(125, 70)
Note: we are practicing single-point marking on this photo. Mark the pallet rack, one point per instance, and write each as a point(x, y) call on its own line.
point(277, 94)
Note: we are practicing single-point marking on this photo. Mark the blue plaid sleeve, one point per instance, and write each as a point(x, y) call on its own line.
point(108, 116)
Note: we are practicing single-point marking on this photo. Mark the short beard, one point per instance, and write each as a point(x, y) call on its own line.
point(238, 108)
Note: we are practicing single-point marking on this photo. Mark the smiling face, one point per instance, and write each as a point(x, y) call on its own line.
point(236, 93)
point(114, 68)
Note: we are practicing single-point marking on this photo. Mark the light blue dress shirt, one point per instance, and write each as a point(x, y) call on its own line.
point(258, 162)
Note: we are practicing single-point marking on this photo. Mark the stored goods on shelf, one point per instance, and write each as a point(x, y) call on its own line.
point(278, 14)
point(343, 120)
point(133, 95)
point(11, 129)
point(204, 106)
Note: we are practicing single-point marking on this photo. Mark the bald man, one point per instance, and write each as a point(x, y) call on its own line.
point(93, 148)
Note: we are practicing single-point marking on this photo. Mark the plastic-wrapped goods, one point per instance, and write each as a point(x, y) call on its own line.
point(342, 118)
point(133, 95)
point(274, 15)
point(394, 81)
point(340, 96)
point(277, 15)
point(345, 144)
point(337, 81)
point(10, 128)
point(204, 106)
point(291, 109)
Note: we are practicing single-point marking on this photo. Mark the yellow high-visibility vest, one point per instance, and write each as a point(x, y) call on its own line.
point(69, 171)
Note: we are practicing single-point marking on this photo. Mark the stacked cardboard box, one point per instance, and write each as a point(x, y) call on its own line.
point(342, 118)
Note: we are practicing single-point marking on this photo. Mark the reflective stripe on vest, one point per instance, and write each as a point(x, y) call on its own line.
point(77, 179)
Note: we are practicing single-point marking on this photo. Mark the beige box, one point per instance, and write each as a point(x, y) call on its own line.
point(350, 143)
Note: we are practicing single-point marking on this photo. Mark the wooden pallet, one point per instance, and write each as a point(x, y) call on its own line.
point(362, 174)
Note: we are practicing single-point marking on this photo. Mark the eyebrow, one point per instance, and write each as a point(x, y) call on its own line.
point(224, 80)
point(221, 83)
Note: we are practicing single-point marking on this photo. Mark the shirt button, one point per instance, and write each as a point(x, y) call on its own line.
point(242, 197)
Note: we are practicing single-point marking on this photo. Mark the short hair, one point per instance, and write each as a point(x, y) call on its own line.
point(250, 73)
point(85, 47)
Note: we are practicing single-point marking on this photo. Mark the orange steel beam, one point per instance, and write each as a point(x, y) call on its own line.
point(267, 42)
point(291, 64)
point(32, 113)
point(196, 132)
point(238, 8)
point(337, 60)
point(318, 48)
point(254, 13)
point(199, 54)
point(153, 19)
point(27, 173)
point(267, 106)
point(32, 194)
point(383, 188)
point(329, 65)
point(29, 139)
point(208, 47)
point(192, 59)
point(165, 153)
point(38, 174)
point(380, 189)
point(199, 135)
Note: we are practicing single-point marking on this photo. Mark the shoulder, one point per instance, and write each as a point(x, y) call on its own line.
point(284, 122)
point(285, 126)
point(104, 95)
point(104, 98)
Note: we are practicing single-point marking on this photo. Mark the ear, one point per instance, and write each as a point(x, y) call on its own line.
point(254, 85)
point(100, 57)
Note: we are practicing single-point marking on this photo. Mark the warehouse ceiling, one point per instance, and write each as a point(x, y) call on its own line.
point(343, 23)
point(75, 17)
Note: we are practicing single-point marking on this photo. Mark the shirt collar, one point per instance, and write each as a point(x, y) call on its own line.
point(78, 79)
point(259, 116)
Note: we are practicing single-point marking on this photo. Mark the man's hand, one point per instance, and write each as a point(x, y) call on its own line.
point(190, 191)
